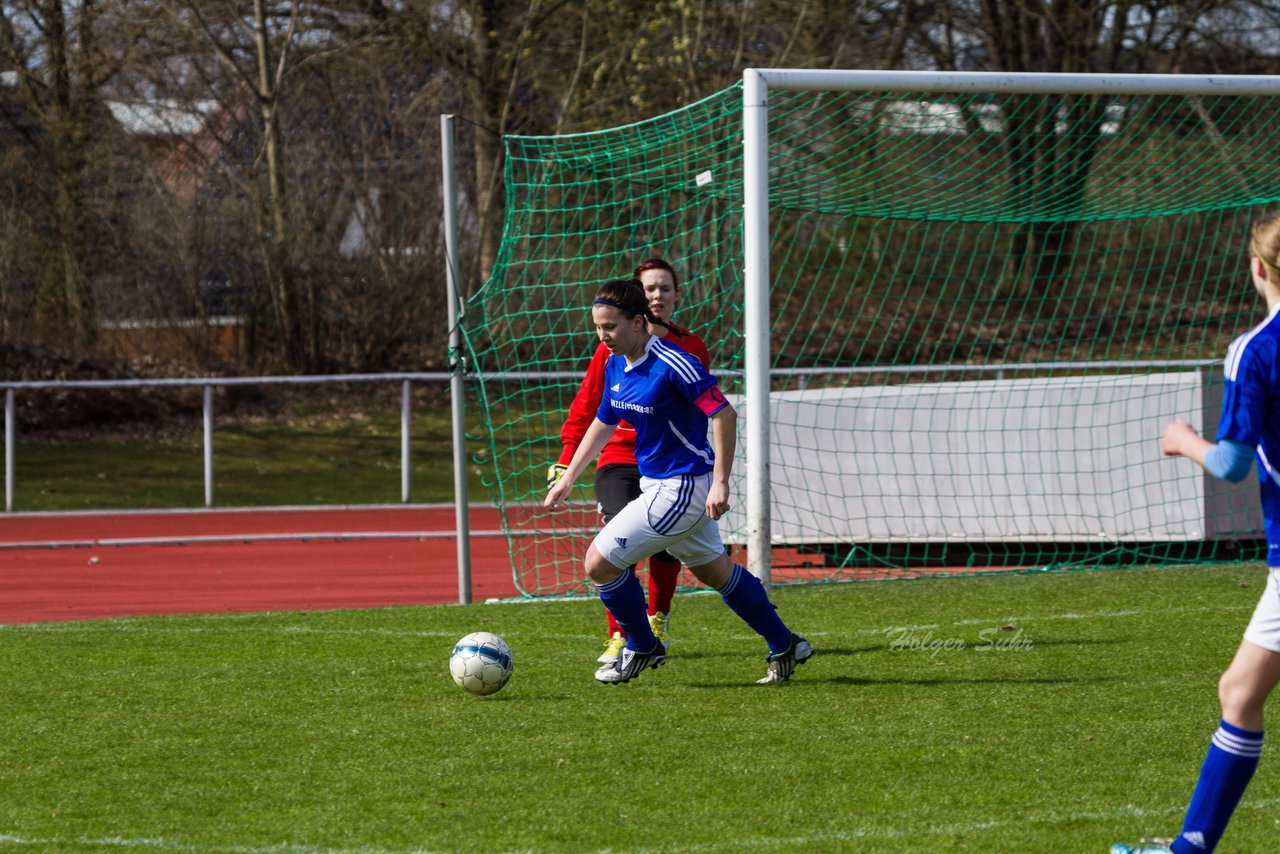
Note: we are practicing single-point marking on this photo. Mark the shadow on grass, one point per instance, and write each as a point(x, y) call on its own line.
point(971, 680)
point(970, 646)
point(803, 678)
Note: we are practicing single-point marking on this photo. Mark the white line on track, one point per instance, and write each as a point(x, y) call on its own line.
point(306, 536)
point(1128, 811)
point(141, 627)
point(278, 508)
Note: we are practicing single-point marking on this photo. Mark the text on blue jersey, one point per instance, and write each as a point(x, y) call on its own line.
point(657, 395)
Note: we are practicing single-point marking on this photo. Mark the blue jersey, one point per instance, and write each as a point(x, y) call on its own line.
point(667, 396)
point(1251, 413)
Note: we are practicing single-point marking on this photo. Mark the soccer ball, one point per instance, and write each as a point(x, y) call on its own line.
point(481, 663)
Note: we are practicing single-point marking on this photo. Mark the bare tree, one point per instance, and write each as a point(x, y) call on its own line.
point(310, 188)
point(60, 60)
point(255, 52)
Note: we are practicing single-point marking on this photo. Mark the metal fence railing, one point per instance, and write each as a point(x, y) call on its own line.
point(208, 384)
point(799, 376)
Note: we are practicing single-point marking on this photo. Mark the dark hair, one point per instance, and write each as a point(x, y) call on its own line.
point(627, 296)
point(657, 264)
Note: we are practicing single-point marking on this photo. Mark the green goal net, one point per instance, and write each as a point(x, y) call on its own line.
point(984, 307)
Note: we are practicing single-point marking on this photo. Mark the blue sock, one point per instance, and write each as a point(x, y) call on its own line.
point(624, 597)
point(747, 597)
point(1226, 772)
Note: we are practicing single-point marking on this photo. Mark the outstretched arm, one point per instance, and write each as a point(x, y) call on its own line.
point(1228, 460)
point(1180, 439)
point(592, 442)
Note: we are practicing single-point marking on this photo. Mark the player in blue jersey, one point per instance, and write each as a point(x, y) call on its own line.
point(1250, 427)
point(669, 398)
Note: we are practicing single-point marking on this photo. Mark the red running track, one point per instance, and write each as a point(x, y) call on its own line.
point(61, 575)
point(57, 566)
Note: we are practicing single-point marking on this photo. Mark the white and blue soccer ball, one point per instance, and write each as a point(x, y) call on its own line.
point(481, 663)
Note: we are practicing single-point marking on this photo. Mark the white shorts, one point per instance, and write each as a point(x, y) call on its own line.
point(670, 514)
point(1264, 628)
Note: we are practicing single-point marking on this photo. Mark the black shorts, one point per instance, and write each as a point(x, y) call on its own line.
point(617, 485)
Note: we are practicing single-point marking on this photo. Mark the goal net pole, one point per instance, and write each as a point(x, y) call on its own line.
point(457, 365)
point(756, 385)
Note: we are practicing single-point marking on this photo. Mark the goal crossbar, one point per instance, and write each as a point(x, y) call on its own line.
point(1027, 83)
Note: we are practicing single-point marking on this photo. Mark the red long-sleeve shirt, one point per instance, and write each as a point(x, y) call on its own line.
point(621, 447)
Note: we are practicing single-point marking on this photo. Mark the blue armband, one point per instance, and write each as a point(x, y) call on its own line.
point(1229, 460)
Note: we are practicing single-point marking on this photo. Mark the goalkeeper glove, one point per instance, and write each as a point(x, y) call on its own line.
point(555, 471)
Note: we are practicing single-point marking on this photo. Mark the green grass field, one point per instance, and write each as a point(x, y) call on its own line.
point(1084, 723)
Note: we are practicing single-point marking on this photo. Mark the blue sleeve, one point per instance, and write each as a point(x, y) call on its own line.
point(1229, 460)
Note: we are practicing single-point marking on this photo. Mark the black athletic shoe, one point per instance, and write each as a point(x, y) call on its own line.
point(630, 663)
point(783, 664)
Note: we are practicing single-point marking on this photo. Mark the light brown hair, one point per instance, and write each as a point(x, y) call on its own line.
point(1264, 244)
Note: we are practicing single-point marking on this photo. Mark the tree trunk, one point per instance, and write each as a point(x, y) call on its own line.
point(64, 303)
point(488, 93)
point(1045, 165)
point(299, 353)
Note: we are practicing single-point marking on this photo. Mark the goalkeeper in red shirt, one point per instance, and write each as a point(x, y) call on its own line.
point(617, 476)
